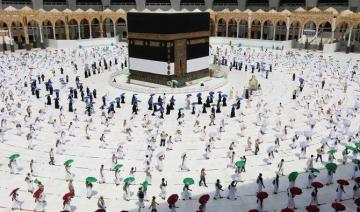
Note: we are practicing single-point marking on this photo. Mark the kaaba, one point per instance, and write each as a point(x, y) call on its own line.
point(165, 47)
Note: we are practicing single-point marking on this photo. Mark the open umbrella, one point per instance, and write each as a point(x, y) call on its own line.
point(37, 181)
point(357, 201)
point(38, 192)
point(317, 184)
point(295, 191)
point(262, 195)
point(357, 179)
point(293, 175)
point(313, 170)
point(100, 210)
point(338, 206)
point(188, 181)
point(68, 162)
point(145, 184)
point(172, 199)
point(240, 164)
point(68, 196)
point(357, 145)
point(204, 198)
point(331, 152)
point(14, 156)
point(351, 148)
point(312, 208)
point(91, 179)
point(287, 210)
point(343, 182)
point(198, 94)
point(254, 210)
point(117, 167)
point(331, 166)
point(129, 180)
point(14, 191)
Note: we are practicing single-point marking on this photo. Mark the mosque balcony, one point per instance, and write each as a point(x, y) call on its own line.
point(18, 4)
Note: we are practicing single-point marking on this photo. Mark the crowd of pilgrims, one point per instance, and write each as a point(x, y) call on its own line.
point(36, 94)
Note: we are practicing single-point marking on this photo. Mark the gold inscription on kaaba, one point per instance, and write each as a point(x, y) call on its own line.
point(198, 41)
point(138, 42)
point(154, 44)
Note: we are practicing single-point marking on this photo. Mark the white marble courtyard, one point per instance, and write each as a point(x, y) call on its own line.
point(88, 155)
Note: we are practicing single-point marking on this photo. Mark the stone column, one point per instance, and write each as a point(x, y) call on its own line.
point(227, 30)
point(102, 29)
point(333, 28)
point(90, 30)
point(114, 30)
point(274, 32)
point(42, 46)
point(216, 28)
point(66, 26)
point(12, 49)
point(27, 41)
point(262, 30)
point(287, 28)
point(53, 28)
point(249, 28)
point(237, 29)
point(349, 41)
point(79, 31)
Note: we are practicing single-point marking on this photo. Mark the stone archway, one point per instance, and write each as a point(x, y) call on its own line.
point(294, 30)
point(47, 30)
point(95, 28)
point(243, 29)
point(232, 28)
point(280, 33)
point(341, 30)
point(3, 26)
point(73, 29)
point(84, 29)
point(60, 30)
point(221, 28)
point(121, 29)
point(268, 30)
point(18, 34)
point(256, 29)
point(108, 28)
point(34, 34)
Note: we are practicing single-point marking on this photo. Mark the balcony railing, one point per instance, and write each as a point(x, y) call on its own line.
point(158, 3)
point(54, 3)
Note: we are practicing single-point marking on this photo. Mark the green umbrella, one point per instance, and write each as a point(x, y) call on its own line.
point(129, 180)
point(68, 162)
point(292, 176)
point(331, 152)
point(118, 166)
point(37, 182)
point(145, 185)
point(357, 145)
point(313, 170)
point(240, 164)
point(351, 148)
point(331, 166)
point(14, 156)
point(188, 181)
point(91, 179)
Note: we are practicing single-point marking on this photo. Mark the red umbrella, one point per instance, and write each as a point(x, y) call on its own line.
point(357, 201)
point(14, 191)
point(38, 192)
point(295, 191)
point(262, 195)
point(68, 196)
point(357, 180)
point(312, 208)
point(100, 210)
point(317, 185)
point(172, 199)
point(338, 206)
point(204, 198)
point(287, 210)
point(254, 210)
point(343, 182)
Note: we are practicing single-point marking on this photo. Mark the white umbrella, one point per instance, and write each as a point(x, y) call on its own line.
point(270, 149)
point(213, 134)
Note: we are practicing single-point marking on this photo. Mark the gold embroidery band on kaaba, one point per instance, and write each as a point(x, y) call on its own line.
point(177, 36)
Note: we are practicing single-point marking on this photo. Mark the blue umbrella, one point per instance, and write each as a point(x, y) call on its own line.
point(156, 103)
point(239, 98)
point(225, 95)
point(188, 95)
point(194, 103)
point(211, 92)
point(112, 102)
point(123, 94)
point(56, 90)
point(234, 105)
point(219, 92)
point(150, 94)
point(117, 98)
point(301, 80)
point(181, 108)
point(199, 94)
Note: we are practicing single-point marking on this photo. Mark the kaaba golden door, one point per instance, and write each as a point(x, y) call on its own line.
point(180, 57)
